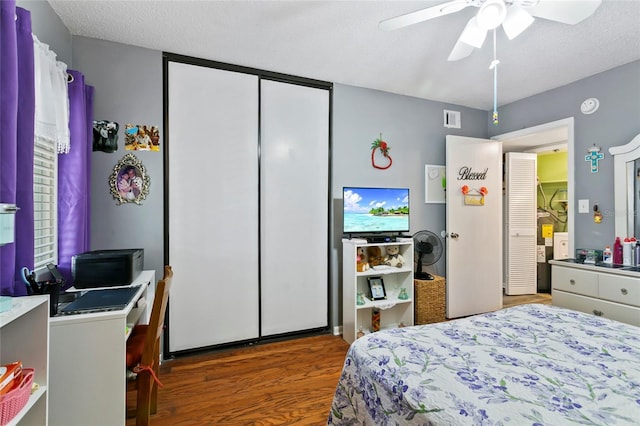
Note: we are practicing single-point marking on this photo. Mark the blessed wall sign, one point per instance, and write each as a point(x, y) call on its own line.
point(467, 173)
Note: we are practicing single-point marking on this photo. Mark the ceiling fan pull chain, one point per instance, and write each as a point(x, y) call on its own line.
point(494, 65)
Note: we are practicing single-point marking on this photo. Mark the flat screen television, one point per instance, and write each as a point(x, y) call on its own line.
point(375, 210)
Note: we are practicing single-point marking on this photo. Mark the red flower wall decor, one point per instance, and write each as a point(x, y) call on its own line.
point(384, 149)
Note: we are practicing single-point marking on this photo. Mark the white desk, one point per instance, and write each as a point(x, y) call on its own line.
point(87, 374)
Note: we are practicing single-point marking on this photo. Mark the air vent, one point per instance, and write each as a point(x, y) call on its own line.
point(452, 119)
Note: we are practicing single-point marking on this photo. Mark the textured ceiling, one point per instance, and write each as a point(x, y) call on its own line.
point(339, 41)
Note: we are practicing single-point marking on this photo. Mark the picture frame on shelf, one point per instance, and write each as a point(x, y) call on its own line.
point(376, 288)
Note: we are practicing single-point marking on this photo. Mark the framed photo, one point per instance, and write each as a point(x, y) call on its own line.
point(435, 182)
point(376, 288)
point(129, 182)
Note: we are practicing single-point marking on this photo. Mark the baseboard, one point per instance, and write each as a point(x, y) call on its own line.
point(337, 330)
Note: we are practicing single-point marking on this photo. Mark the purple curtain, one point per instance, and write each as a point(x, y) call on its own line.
point(74, 177)
point(26, 117)
point(17, 111)
point(17, 103)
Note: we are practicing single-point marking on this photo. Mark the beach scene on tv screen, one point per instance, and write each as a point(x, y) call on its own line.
point(376, 210)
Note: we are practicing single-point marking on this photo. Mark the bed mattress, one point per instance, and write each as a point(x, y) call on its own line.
point(526, 365)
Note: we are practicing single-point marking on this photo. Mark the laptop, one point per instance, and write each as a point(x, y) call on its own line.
point(109, 299)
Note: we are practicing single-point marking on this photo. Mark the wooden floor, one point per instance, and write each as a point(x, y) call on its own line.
point(284, 383)
point(544, 298)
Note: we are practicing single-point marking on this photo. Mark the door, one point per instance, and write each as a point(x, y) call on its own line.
point(212, 206)
point(294, 218)
point(474, 226)
point(520, 223)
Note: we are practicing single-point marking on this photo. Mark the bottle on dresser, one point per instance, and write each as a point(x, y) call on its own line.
point(607, 255)
point(628, 246)
point(617, 252)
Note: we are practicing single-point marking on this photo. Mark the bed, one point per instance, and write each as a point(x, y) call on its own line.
point(526, 365)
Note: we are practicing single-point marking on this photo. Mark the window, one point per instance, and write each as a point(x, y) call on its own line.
point(45, 187)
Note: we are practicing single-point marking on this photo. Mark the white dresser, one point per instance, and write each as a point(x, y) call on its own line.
point(606, 291)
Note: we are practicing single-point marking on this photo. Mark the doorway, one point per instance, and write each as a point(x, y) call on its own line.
point(550, 137)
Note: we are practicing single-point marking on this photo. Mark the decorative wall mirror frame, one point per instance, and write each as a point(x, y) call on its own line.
point(129, 182)
point(624, 177)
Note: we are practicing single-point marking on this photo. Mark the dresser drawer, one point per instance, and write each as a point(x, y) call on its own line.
point(574, 280)
point(601, 308)
point(619, 289)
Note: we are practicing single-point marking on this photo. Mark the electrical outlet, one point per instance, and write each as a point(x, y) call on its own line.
point(583, 206)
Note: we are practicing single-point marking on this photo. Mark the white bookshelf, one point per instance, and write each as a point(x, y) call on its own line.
point(24, 336)
point(393, 311)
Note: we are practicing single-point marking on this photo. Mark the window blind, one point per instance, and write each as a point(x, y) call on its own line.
point(45, 182)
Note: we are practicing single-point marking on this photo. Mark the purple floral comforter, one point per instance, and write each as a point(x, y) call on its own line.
point(526, 365)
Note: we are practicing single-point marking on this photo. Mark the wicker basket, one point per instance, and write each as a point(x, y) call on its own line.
point(429, 300)
point(14, 401)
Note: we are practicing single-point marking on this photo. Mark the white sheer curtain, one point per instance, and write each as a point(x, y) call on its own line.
point(51, 97)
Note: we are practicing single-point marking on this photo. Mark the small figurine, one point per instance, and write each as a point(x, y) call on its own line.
point(374, 256)
point(394, 258)
point(403, 294)
point(361, 261)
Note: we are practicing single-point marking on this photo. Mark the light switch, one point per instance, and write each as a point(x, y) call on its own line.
point(583, 206)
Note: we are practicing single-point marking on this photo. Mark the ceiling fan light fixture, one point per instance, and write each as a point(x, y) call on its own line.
point(516, 21)
point(491, 14)
point(473, 34)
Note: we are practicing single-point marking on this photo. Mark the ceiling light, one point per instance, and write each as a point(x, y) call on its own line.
point(473, 34)
point(516, 21)
point(491, 14)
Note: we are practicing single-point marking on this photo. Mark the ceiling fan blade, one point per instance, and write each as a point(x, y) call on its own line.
point(460, 51)
point(516, 21)
point(567, 12)
point(473, 34)
point(422, 15)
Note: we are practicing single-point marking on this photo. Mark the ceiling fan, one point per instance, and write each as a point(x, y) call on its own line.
point(514, 15)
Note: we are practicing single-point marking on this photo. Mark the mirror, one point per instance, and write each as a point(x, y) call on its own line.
point(624, 182)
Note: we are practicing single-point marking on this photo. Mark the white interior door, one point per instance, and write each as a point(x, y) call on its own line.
point(294, 158)
point(520, 223)
point(213, 206)
point(474, 226)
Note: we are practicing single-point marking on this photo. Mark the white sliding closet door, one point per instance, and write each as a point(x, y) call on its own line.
point(213, 206)
point(294, 206)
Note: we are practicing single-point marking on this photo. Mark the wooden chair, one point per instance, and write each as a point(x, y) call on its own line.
point(143, 353)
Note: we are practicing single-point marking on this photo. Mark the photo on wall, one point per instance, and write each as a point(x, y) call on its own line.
point(105, 136)
point(141, 137)
point(129, 182)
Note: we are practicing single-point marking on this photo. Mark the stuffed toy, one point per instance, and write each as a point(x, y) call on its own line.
point(361, 260)
point(374, 256)
point(394, 258)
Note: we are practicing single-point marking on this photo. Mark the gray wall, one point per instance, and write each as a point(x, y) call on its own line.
point(49, 29)
point(128, 88)
point(414, 129)
point(615, 123)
